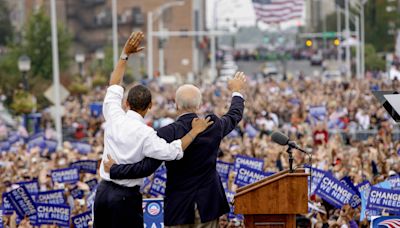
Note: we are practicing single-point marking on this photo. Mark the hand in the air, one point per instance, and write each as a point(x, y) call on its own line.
point(132, 45)
point(238, 82)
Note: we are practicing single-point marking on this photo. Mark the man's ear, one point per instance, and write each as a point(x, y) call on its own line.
point(127, 105)
point(150, 105)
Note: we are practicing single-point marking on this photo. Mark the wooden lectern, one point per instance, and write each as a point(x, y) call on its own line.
point(273, 201)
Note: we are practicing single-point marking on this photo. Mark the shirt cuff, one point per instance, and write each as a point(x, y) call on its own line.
point(178, 145)
point(116, 89)
point(237, 94)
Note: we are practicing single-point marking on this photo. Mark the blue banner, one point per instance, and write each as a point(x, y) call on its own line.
point(13, 137)
point(363, 186)
point(32, 186)
point(51, 197)
point(1, 217)
point(86, 166)
point(92, 183)
point(318, 113)
point(386, 221)
point(22, 202)
point(336, 193)
point(90, 200)
point(348, 183)
point(146, 182)
point(82, 148)
point(369, 213)
point(153, 213)
point(158, 186)
point(394, 182)
point(315, 178)
point(7, 207)
point(67, 175)
point(246, 175)
point(5, 146)
point(96, 109)
point(384, 199)
point(82, 220)
point(53, 214)
point(254, 163)
point(223, 169)
point(77, 193)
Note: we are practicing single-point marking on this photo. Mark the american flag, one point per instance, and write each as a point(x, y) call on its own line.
point(391, 223)
point(278, 11)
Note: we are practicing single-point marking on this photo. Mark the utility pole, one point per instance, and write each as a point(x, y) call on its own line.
point(339, 31)
point(347, 36)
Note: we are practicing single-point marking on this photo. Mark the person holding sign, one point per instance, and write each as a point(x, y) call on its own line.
point(194, 193)
point(127, 139)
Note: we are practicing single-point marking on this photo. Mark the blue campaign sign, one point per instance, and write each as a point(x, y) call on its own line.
point(82, 220)
point(1, 217)
point(90, 199)
point(158, 186)
point(82, 148)
point(348, 183)
point(394, 182)
point(254, 163)
point(92, 183)
point(53, 214)
point(369, 213)
point(22, 202)
point(384, 199)
point(146, 182)
point(336, 193)
point(318, 113)
point(246, 175)
point(50, 145)
point(7, 207)
point(363, 186)
point(96, 109)
point(153, 213)
point(67, 175)
point(386, 221)
point(32, 186)
point(315, 178)
point(5, 146)
point(86, 166)
point(13, 137)
point(77, 193)
point(223, 169)
point(51, 197)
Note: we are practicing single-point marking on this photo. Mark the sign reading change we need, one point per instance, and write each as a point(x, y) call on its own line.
point(253, 163)
point(53, 214)
point(336, 193)
point(384, 199)
point(68, 175)
point(246, 175)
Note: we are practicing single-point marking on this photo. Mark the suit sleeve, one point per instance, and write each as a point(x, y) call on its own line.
point(145, 167)
point(233, 116)
point(141, 169)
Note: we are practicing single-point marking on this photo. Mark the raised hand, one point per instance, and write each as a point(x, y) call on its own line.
point(238, 82)
point(133, 43)
point(200, 125)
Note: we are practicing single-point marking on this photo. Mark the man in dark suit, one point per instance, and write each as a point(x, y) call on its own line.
point(194, 196)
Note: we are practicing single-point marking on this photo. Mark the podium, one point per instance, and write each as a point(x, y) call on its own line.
point(273, 201)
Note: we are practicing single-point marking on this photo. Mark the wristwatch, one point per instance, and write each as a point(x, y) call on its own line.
point(124, 56)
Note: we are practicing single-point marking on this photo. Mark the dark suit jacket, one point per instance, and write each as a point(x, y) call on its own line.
point(193, 179)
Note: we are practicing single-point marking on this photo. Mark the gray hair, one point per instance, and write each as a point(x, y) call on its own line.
point(188, 97)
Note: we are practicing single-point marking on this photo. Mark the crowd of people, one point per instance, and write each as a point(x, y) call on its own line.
point(321, 115)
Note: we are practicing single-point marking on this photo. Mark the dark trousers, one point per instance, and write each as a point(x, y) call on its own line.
point(117, 206)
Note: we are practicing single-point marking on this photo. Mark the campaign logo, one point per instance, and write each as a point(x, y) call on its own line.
point(154, 209)
point(386, 222)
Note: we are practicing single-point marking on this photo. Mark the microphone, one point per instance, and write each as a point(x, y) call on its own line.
point(283, 140)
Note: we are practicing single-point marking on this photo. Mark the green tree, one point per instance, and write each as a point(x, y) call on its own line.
point(38, 45)
point(6, 30)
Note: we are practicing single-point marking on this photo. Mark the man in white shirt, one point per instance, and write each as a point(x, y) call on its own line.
point(127, 139)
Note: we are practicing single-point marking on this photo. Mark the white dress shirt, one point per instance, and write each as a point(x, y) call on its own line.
point(128, 139)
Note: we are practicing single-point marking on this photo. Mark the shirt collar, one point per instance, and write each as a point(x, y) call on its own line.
point(134, 115)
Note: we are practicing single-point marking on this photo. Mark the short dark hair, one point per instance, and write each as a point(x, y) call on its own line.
point(139, 98)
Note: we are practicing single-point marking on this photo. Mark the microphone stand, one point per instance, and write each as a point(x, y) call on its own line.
point(289, 151)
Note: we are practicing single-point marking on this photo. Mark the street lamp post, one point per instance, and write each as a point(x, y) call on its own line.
point(150, 19)
point(80, 59)
point(24, 65)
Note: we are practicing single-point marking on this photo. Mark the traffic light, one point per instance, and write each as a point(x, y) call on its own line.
point(336, 42)
point(309, 43)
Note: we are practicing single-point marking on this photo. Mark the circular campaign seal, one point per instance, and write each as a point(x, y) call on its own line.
point(154, 208)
